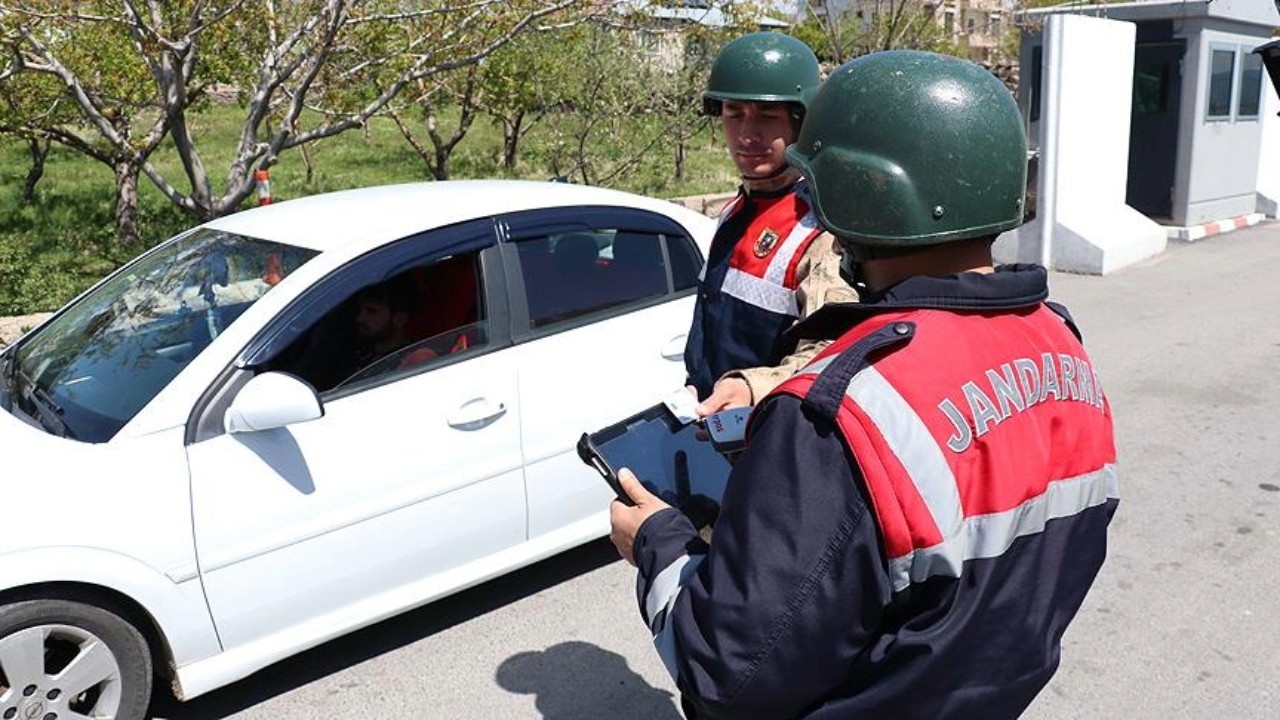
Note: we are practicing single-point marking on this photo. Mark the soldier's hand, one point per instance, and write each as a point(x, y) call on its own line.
point(730, 392)
point(627, 519)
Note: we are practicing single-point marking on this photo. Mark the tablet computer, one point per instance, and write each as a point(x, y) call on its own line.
point(668, 458)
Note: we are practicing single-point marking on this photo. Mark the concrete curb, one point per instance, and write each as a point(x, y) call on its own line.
point(708, 205)
point(1191, 233)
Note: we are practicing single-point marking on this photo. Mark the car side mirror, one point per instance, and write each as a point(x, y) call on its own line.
point(272, 400)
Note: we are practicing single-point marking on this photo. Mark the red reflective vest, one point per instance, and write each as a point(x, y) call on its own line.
point(747, 292)
point(762, 266)
point(971, 430)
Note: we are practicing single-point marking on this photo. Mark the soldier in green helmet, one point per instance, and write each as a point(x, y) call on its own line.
point(770, 264)
point(919, 513)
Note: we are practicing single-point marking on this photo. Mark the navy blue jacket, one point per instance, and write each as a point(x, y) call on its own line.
point(790, 612)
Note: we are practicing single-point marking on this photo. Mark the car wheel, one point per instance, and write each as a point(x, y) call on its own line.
point(63, 659)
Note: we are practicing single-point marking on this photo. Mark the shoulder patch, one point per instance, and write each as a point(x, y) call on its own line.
point(765, 244)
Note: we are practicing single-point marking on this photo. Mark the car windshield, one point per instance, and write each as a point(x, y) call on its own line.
point(88, 371)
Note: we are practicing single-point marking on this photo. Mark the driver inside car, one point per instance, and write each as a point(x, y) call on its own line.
point(383, 314)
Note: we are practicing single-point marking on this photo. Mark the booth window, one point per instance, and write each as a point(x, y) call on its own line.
point(1250, 86)
point(1221, 78)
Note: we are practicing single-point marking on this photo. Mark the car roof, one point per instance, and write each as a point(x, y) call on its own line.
point(371, 216)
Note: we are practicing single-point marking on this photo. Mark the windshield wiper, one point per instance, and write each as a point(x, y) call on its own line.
point(49, 411)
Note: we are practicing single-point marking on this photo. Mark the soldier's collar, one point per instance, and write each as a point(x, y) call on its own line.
point(1009, 287)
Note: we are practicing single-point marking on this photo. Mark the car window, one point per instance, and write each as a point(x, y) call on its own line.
point(570, 274)
point(686, 261)
point(413, 320)
point(87, 372)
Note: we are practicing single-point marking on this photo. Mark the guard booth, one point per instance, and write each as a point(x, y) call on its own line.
point(1195, 133)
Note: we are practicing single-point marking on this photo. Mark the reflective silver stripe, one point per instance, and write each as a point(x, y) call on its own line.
point(667, 585)
point(817, 366)
point(977, 537)
point(662, 596)
point(777, 272)
point(760, 292)
point(665, 643)
point(963, 539)
point(988, 536)
point(910, 440)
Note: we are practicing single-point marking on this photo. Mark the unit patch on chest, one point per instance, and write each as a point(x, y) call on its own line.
point(765, 244)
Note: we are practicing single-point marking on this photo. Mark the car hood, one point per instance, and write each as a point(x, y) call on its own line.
point(45, 476)
point(22, 443)
point(129, 497)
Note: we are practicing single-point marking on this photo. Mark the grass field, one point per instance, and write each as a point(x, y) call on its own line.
point(65, 239)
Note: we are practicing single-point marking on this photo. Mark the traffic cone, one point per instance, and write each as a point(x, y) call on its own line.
point(264, 186)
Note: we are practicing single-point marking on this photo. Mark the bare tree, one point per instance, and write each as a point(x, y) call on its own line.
point(520, 85)
point(679, 88)
point(14, 98)
point(464, 95)
point(304, 70)
point(632, 87)
point(842, 31)
point(47, 107)
point(596, 126)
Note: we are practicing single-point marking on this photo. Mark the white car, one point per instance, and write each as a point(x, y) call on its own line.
point(224, 461)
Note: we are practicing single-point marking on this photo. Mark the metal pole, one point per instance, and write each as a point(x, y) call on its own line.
point(1050, 96)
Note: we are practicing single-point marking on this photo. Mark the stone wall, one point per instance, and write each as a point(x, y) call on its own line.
point(12, 328)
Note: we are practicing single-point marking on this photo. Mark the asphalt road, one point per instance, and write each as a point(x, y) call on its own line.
point(1184, 621)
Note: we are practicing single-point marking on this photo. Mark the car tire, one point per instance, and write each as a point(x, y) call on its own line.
point(69, 659)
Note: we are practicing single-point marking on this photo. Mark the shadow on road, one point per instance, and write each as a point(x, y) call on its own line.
point(388, 635)
point(579, 681)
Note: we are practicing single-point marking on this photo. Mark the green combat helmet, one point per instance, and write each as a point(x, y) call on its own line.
point(764, 67)
point(904, 149)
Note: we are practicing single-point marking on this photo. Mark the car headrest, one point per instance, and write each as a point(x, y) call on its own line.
point(575, 254)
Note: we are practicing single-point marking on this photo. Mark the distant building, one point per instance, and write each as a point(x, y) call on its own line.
point(975, 26)
point(663, 34)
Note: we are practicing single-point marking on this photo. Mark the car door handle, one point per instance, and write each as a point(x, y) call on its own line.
point(475, 414)
point(674, 349)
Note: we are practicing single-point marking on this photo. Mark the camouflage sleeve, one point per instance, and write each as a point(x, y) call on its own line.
point(818, 282)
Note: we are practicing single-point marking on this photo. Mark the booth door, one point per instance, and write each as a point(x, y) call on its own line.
point(1153, 130)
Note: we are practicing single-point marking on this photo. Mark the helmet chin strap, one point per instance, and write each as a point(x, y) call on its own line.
point(776, 173)
point(777, 181)
point(851, 272)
